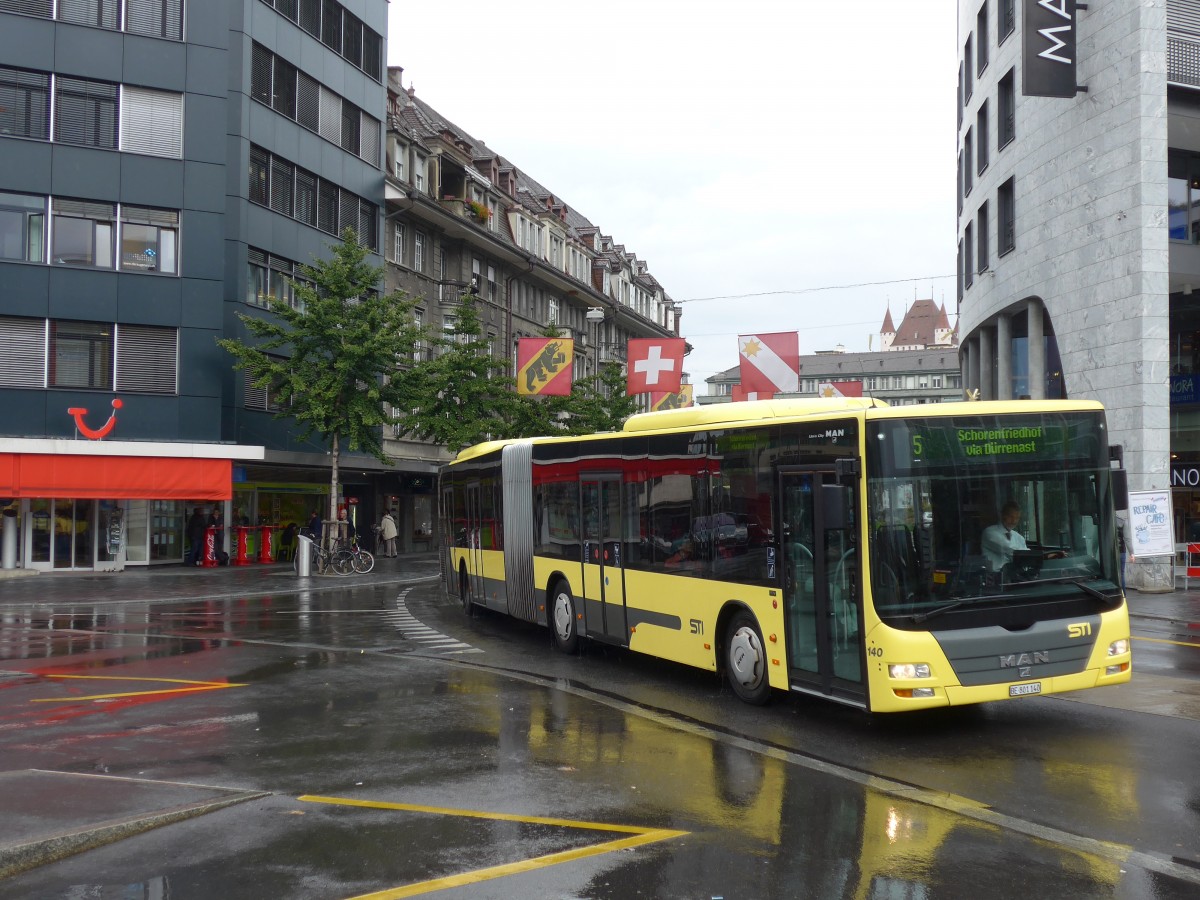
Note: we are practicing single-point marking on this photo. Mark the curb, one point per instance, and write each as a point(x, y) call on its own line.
point(17, 858)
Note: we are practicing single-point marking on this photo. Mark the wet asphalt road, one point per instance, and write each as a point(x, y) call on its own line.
point(409, 750)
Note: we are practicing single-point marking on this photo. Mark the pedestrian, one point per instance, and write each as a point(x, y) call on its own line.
point(314, 526)
point(196, 525)
point(388, 531)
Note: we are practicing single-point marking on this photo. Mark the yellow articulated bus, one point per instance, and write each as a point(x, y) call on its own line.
point(887, 558)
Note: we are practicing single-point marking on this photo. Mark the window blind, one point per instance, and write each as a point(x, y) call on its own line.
point(152, 122)
point(22, 352)
point(147, 359)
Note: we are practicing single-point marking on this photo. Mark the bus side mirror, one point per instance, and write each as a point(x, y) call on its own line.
point(835, 506)
point(1120, 489)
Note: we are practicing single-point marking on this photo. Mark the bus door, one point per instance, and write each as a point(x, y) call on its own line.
point(603, 568)
point(474, 542)
point(820, 585)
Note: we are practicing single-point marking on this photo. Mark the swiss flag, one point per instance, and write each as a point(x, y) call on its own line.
point(770, 362)
point(655, 365)
point(839, 389)
point(740, 393)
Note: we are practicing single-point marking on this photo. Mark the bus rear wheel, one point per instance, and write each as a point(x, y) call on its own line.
point(563, 621)
point(746, 660)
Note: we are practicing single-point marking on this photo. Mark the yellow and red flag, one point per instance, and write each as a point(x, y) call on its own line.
point(840, 389)
point(544, 366)
point(672, 399)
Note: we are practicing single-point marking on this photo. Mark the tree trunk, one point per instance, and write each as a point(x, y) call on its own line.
point(333, 496)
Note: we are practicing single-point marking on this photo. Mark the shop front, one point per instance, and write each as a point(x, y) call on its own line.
point(99, 506)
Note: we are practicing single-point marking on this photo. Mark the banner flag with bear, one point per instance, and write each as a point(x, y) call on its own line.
point(545, 366)
point(770, 362)
point(672, 399)
point(655, 365)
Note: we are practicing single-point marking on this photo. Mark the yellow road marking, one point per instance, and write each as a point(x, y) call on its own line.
point(637, 837)
point(193, 687)
point(1165, 641)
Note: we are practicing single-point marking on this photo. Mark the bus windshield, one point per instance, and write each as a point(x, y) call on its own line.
point(969, 513)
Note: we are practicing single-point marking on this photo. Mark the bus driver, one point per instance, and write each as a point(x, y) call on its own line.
point(1000, 540)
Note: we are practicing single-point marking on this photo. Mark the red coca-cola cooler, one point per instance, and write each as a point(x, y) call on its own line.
point(266, 543)
point(209, 559)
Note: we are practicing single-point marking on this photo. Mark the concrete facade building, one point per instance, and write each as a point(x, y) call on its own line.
point(162, 164)
point(1067, 276)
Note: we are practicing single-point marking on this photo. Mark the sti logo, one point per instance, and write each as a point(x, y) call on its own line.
point(1079, 629)
point(95, 434)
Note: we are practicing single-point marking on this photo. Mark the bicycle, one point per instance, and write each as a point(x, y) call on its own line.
point(352, 559)
point(321, 560)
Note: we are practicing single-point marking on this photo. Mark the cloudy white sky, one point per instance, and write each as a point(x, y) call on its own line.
point(772, 152)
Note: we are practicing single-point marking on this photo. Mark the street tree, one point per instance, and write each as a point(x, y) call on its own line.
point(600, 402)
point(331, 360)
point(463, 395)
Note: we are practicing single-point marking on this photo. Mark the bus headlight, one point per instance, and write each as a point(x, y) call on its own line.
point(1119, 648)
point(909, 670)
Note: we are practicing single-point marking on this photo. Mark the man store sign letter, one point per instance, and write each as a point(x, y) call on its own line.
point(1049, 48)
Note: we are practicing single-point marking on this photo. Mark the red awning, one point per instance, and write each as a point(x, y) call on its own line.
point(115, 477)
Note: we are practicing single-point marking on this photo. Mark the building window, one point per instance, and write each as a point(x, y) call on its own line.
point(968, 79)
point(306, 197)
point(981, 34)
point(1006, 111)
point(968, 155)
point(331, 25)
point(398, 254)
point(419, 251)
point(256, 277)
point(43, 8)
point(960, 271)
point(22, 352)
point(152, 122)
point(147, 359)
point(24, 103)
point(935, 381)
point(398, 157)
point(22, 227)
point(1008, 20)
point(981, 136)
point(260, 162)
point(282, 177)
point(149, 239)
point(960, 182)
point(85, 112)
point(81, 355)
point(982, 223)
point(156, 18)
point(83, 233)
point(419, 174)
point(1006, 213)
point(968, 259)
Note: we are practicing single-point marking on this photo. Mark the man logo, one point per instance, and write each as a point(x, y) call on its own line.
point(1079, 629)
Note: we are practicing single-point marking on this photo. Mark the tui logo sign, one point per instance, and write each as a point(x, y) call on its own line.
point(95, 434)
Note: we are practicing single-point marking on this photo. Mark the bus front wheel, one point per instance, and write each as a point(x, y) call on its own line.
point(563, 622)
point(746, 660)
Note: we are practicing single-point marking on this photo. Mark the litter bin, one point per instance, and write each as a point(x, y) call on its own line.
point(304, 554)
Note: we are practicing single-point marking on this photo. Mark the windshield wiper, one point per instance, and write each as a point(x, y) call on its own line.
point(955, 604)
point(1087, 588)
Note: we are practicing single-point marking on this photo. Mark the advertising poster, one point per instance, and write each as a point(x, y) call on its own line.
point(1150, 524)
